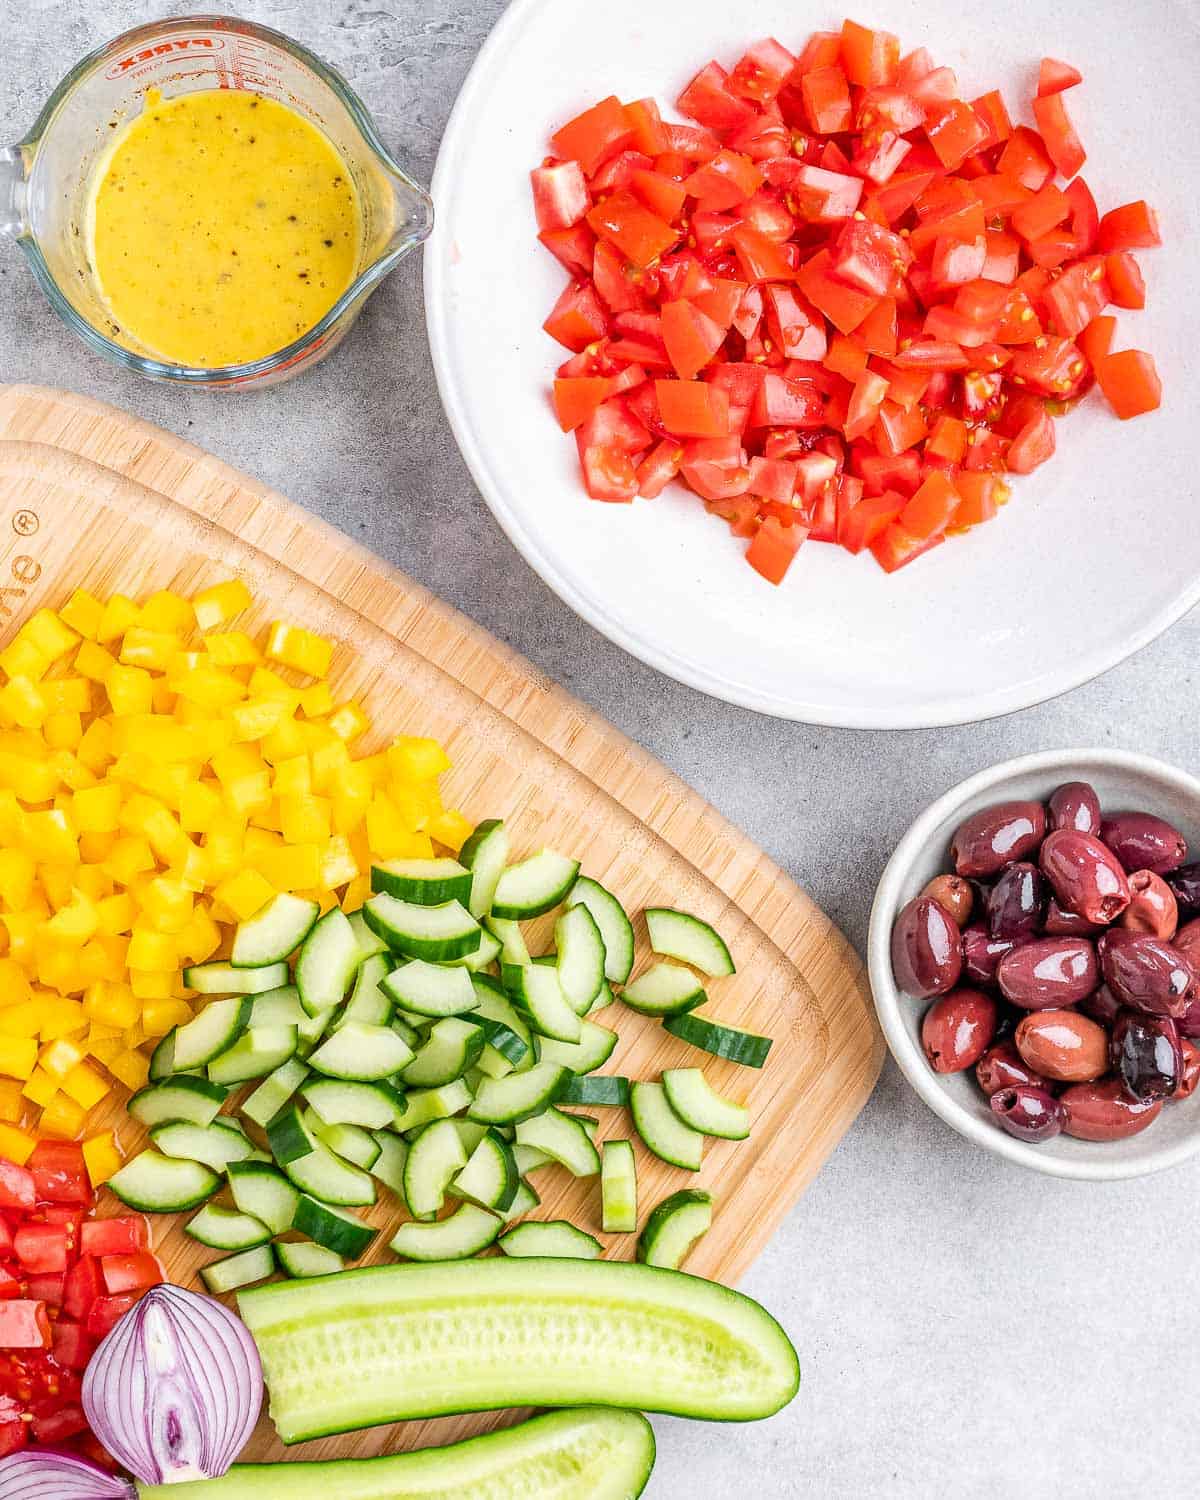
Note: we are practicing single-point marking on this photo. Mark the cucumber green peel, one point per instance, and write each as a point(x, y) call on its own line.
point(391, 1343)
point(565, 1455)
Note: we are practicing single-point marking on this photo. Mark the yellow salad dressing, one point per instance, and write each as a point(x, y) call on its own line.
point(223, 226)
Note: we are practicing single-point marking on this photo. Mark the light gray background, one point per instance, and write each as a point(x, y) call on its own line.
point(966, 1328)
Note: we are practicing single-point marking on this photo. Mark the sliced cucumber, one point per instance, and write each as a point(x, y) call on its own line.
point(674, 1227)
point(424, 882)
point(604, 999)
point(338, 1102)
point(467, 1231)
point(301, 1260)
point(369, 943)
point(312, 1167)
point(259, 1050)
point(580, 960)
point(615, 927)
point(361, 1053)
point(185, 1098)
point(593, 1049)
point(513, 949)
point(601, 1088)
point(501, 1037)
point(264, 1192)
point(662, 1130)
point(562, 1137)
point(212, 1032)
point(355, 1351)
point(423, 1105)
point(535, 991)
point(226, 1229)
point(223, 979)
point(158, 1184)
point(351, 1142)
point(664, 990)
point(274, 932)
point(311, 1032)
point(239, 1270)
point(486, 954)
point(485, 854)
point(618, 1188)
point(471, 1132)
point(722, 1041)
point(329, 958)
point(699, 1105)
point(367, 1001)
point(453, 1046)
point(490, 1177)
point(274, 1092)
point(214, 1145)
point(435, 1156)
point(162, 1059)
point(536, 885)
point(554, 1237)
point(426, 989)
point(332, 1227)
point(279, 1007)
point(494, 1005)
point(525, 1200)
point(677, 934)
point(530, 1159)
point(506, 1101)
point(436, 933)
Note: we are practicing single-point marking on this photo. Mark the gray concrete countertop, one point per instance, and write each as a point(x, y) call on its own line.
point(966, 1328)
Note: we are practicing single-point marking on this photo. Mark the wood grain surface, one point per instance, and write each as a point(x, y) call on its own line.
point(91, 497)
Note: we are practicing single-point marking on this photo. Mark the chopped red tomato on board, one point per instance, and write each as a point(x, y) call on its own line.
point(839, 304)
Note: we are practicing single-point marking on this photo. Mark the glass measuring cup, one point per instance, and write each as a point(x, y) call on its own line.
point(46, 178)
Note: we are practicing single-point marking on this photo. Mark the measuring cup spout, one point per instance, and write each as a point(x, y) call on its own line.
point(13, 178)
point(412, 210)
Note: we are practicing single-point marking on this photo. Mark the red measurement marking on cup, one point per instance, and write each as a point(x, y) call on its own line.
point(172, 48)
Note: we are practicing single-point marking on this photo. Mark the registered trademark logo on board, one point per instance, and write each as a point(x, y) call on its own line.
point(172, 48)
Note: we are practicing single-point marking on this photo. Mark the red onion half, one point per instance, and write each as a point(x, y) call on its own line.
point(174, 1390)
point(45, 1474)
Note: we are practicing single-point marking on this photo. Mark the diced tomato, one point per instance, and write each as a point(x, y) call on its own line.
point(845, 357)
point(640, 235)
point(9, 1285)
point(954, 131)
point(24, 1325)
point(1130, 383)
point(1051, 367)
point(896, 198)
point(761, 137)
point(1085, 218)
point(932, 354)
point(106, 1312)
point(50, 1428)
point(759, 258)
point(83, 1285)
point(595, 135)
point(16, 1187)
point(785, 402)
point(661, 195)
point(1046, 210)
point(691, 338)
point(41, 1247)
point(720, 300)
point(729, 179)
point(1080, 294)
point(843, 305)
point(947, 441)
point(645, 122)
point(867, 397)
point(1054, 77)
point(897, 547)
point(868, 520)
point(796, 327)
point(1096, 339)
point(764, 212)
point(716, 468)
point(692, 408)
point(929, 511)
point(658, 468)
point(871, 58)
point(560, 195)
point(574, 402)
point(1062, 142)
point(577, 319)
point(128, 1273)
point(773, 479)
point(1033, 445)
point(750, 312)
point(693, 142)
point(572, 248)
point(707, 100)
point(1133, 226)
point(773, 549)
point(617, 172)
point(1003, 258)
point(871, 258)
point(898, 429)
point(993, 114)
point(1025, 159)
point(880, 472)
point(826, 95)
point(815, 194)
point(762, 71)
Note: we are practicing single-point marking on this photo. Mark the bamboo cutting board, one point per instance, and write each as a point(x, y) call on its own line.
point(91, 497)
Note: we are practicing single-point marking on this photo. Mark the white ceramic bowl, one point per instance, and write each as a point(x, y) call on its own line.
point(1124, 781)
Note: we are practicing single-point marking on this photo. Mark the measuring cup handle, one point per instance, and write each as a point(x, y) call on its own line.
point(13, 178)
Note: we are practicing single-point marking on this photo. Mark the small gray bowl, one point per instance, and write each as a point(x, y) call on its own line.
point(1123, 781)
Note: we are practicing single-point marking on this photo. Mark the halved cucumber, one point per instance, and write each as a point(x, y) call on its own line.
point(495, 1005)
point(341, 1102)
point(223, 979)
point(580, 961)
point(553, 1237)
point(484, 854)
point(662, 1130)
point(423, 1105)
point(562, 1137)
point(279, 1007)
point(389, 1167)
point(226, 1229)
point(311, 1032)
point(312, 1167)
point(184, 1098)
point(424, 882)
point(355, 1351)
point(214, 1145)
point(529, 1158)
point(329, 958)
point(536, 992)
point(722, 1041)
point(593, 1049)
point(534, 886)
point(367, 1001)
point(699, 1105)
point(471, 1132)
point(434, 1157)
point(664, 990)
point(467, 1231)
point(618, 1188)
point(361, 1053)
point(677, 934)
point(604, 998)
point(426, 989)
point(369, 943)
point(453, 1046)
point(490, 1177)
point(259, 1050)
point(301, 1260)
point(487, 953)
point(674, 1227)
point(264, 1192)
point(158, 1184)
point(525, 1200)
point(436, 933)
point(600, 1088)
point(615, 927)
point(162, 1059)
point(349, 1142)
point(331, 1227)
point(239, 1270)
point(274, 1092)
point(503, 1048)
point(513, 948)
point(274, 932)
point(506, 1101)
point(212, 1032)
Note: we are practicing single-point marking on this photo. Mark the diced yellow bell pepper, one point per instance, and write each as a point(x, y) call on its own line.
point(17, 875)
point(152, 984)
point(285, 741)
point(348, 721)
point(75, 922)
point(158, 1016)
point(450, 828)
point(23, 703)
point(48, 633)
point(21, 658)
point(293, 777)
point(14, 984)
point(85, 1086)
point(166, 903)
point(101, 1157)
point(290, 867)
point(32, 781)
point(199, 807)
point(211, 687)
point(151, 950)
point(11, 1103)
point(17, 1145)
point(95, 748)
point(244, 894)
point(358, 891)
point(200, 939)
point(219, 604)
point(40, 1088)
point(50, 838)
point(338, 864)
point(258, 717)
point(305, 820)
point(67, 694)
point(195, 872)
point(131, 856)
point(82, 613)
point(97, 809)
point(418, 759)
point(62, 1118)
point(232, 648)
point(316, 701)
point(93, 662)
point(130, 690)
point(299, 648)
point(115, 913)
point(113, 1005)
point(60, 1016)
point(58, 1058)
point(63, 729)
point(166, 611)
point(21, 1020)
point(130, 1068)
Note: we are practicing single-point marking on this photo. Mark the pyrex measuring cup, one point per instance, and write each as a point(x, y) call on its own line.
point(45, 179)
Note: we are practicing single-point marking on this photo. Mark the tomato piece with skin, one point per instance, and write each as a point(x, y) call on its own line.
point(645, 123)
point(762, 136)
point(1046, 210)
point(898, 430)
point(71, 1345)
point(1130, 383)
point(617, 172)
point(1096, 339)
point(845, 358)
point(691, 338)
point(897, 547)
point(1054, 77)
point(707, 100)
point(1080, 294)
point(107, 1312)
point(827, 105)
point(595, 135)
point(1033, 445)
point(871, 258)
point(1061, 139)
point(16, 1187)
point(932, 354)
point(1085, 217)
point(773, 549)
point(83, 1285)
point(782, 401)
point(1002, 260)
point(572, 248)
point(9, 1285)
point(1052, 366)
point(773, 479)
point(993, 115)
point(740, 383)
point(879, 333)
point(693, 142)
point(797, 328)
point(866, 521)
point(658, 468)
point(761, 71)
point(843, 305)
point(682, 275)
point(721, 184)
point(954, 131)
point(640, 235)
point(136, 1270)
point(815, 194)
point(868, 396)
point(577, 319)
point(1133, 226)
point(763, 211)
point(948, 440)
point(720, 300)
point(759, 258)
point(871, 58)
point(661, 195)
point(574, 402)
point(1025, 159)
point(59, 1173)
point(560, 195)
point(24, 1324)
point(716, 468)
point(692, 408)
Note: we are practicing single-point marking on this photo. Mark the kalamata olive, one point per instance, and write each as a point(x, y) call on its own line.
point(1003, 1067)
point(957, 1030)
point(1102, 1005)
point(1145, 973)
point(1143, 842)
point(1152, 906)
point(1086, 875)
point(981, 953)
point(1049, 973)
point(1029, 1113)
point(955, 894)
point(1190, 1081)
point(1103, 1111)
point(1189, 1022)
point(926, 949)
point(1075, 806)
point(1063, 1045)
point(990, 839)
point(1008, 1018)
point(1146, 1054)
point(1016, 901)
point(1059, 922)
point(1185, 883)
point(1187, 940)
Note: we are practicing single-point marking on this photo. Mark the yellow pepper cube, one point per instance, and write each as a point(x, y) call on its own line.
point(166, 611)
point(418, 759)
point(248, 794)
point(293, 777)
point(236, 762)
point(166, 837)
point(23, 703)
point(358, 891)
point(223, 845)
point(95, 748)
point(244, 894)
point(338, 864)
point(63, 730)
point(48, 633)
point(130, 1068)
point(74, 923)
point(104, 1050)
point(17, 875)
point(40, 1088)
point(62, 1118)
point(199, 940)
point(22, 928)
point(134, 1036)
point(104, 957)
point(152, 950)
point(290, 868)
point(119, 614)
point(348, 721)
point(17, 1145)
point(167, 903)
point(152, 649)
point(131, 856)
point(450, 828)
point(58, 881)
point(85, 1086)
point(93, 882)
point(67, 694)
point(151, 984)
point(199, 806)
point(113, 1005)
point(195, 873)
point(58, 1058)
point(232, 648)
point(285, 742)
point(219, 604)
point(305, 820)
point(349, 810)
point(210, 687)
point(50, 838)
point(316, 701)
point(21, 658)
point(93, 662)
point(264, 683)
point(32, 781)
point(101, 1158)
point(299, 648)
point(158, 1016)
point(97, 809)
point(10, 1103)
point(14, 984)
point(21, 1020)
point(130, 690)
point(61, 1016)
point(116, 913)
point(82, 613)
point(258, 717)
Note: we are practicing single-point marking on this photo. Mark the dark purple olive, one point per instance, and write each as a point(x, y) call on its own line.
point(1143, 842)
point(1103, 1111)
point(926, 949)
point(1145, 973)
point(1049, 974)
point(1185, 883)
point(1086, 875)
point(1075, 806)
point(1102, 1005)
point(981, 953)
point(1029, 1113)
point(958, 1029)
point(992, 838)
point(1016, 902)
point(1059, 922)
point(1003, 1067)
point(1189, 1022)
point(1187, 940)
point(1146, 1052)
point(1190, 1081)
point(1152, 906)
point(955, 894)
